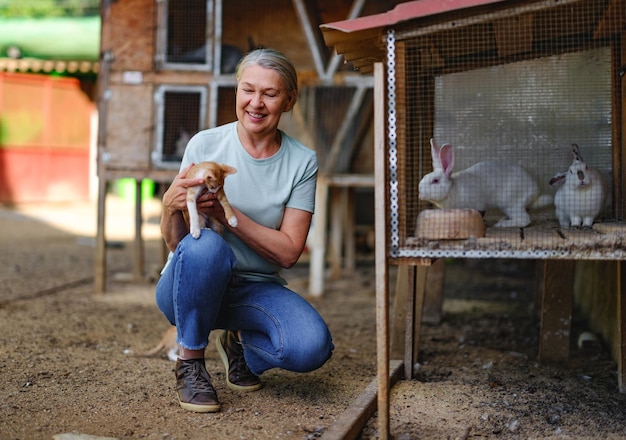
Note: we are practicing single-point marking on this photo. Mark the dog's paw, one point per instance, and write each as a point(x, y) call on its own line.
point(195, 232)
point(233, 221)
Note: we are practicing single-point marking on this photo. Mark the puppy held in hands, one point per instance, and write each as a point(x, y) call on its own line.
point(213, 175)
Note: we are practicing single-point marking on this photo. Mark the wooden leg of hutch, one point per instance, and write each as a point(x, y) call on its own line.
point(433, 297)
point(414, 286)
point(556, 310)
point(398, 320)
point(338, 210)
point(138, 252)
point(414, 307)
point(317, 247)
point(100, 263)
point(621, 325)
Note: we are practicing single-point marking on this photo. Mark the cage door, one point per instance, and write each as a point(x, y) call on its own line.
point(180, 113)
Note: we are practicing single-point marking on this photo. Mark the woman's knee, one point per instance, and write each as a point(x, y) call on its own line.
point(310, 353)
point(208, 250)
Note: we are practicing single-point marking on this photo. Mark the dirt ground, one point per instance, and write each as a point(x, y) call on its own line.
point(64, 367)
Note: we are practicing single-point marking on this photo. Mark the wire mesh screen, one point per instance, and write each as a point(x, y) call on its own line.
point(186, 32)
point(501, 135)
point(180, 114)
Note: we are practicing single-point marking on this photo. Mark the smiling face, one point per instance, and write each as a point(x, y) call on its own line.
point(262, 97)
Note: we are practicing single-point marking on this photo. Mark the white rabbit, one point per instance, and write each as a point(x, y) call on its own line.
point(490, 184)
point(583, 194)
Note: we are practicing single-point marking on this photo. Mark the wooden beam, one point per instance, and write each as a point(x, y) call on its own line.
point(399, 316)
point(556, 310)
point(348, 121)
point(312, 37)
point(414, 306)
point(514, 35)
point(318, 244)
point(353, 420)
point(100, 260)
point(618, 110)
point(614, 20)
point(621, 326)
point(382, 275)
point(138, 251)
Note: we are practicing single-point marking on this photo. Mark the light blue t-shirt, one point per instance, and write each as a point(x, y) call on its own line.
point(261, 188)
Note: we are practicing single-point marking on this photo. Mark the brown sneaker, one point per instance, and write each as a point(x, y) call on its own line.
point(238, 375)
point(194, 387)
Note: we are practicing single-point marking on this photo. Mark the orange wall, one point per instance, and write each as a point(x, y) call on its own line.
point(44, 138)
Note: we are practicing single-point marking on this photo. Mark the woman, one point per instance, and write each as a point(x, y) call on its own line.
point(232, 282)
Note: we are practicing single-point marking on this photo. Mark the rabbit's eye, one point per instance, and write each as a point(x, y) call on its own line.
point(435, 181)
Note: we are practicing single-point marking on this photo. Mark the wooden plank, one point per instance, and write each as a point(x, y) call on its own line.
point(138, 248)
point(158, 175)
point(409, 323)
point(128, 144)
point(618, 109)
point(433, 296)
point(355, 417)
point(100, 257)
point(398, 321)
point(317, 246)
point(621, 325)
point(338, 206)
point(128, 32)
point(313, 38)
point(414, 306)
point(349, 245)
point(556, 310)
point(613, 21)
point(100, 263)
point(604, 242)
point(381, 252)
point(514, 35)
point(431, 310)
point(172, 77)
point(351, 180)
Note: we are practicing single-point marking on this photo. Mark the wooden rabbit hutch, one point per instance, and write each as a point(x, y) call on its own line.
point(166, 72)
point(513, 81)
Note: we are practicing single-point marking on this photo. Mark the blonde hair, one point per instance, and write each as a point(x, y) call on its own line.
point(275, 60)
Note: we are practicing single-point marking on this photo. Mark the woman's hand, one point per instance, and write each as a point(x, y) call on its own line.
point(208, 204)
point(175, 198)
point(173, 225)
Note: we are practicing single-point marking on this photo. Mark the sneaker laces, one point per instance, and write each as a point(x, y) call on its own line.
point(196, 377)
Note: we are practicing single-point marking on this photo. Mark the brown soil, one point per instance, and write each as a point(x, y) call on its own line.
point(64, 369)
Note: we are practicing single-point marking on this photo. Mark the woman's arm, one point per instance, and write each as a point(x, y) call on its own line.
point(282, 247)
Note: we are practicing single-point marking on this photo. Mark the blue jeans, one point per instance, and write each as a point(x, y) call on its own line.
point(198, 293)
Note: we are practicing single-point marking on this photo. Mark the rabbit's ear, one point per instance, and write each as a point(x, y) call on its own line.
point(558, 179)
point(446, 155)
point(576, 155)
point(434, 152)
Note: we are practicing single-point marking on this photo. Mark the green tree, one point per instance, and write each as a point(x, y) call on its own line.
point(48, 8)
